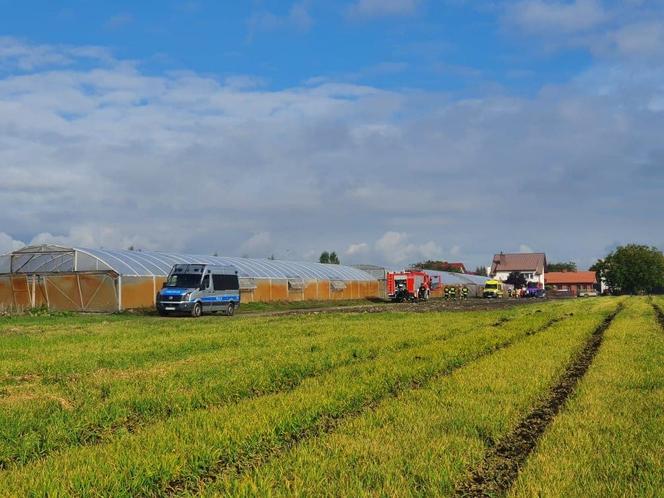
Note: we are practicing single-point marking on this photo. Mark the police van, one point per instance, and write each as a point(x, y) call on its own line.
point(197, 289)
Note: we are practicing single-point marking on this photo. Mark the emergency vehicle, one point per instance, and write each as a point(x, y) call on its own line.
point(408, 286)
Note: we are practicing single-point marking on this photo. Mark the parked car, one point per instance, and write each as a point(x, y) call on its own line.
point(534, 290)
point(198, 289)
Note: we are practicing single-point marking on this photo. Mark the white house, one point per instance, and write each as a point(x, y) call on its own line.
point(530, 265)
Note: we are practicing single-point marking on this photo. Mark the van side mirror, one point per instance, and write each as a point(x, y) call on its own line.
point(202, 287)
point(163, 286)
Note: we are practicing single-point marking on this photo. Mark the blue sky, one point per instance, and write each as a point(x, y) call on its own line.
point(387, 130)
point(433, 45)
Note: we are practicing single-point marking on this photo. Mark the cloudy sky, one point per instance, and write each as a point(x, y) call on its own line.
point(387, 130)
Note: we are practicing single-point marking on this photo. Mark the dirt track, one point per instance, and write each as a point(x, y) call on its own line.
point(501, 464)
point(417, 307)
point(660, 314)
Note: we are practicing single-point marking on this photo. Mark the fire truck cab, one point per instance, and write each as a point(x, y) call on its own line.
point(408, 286)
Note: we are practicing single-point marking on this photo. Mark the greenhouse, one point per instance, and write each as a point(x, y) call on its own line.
point(75, 278)
point(442, 279)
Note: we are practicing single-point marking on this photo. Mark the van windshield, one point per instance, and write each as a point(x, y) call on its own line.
point(187, 280)
point(491, 286)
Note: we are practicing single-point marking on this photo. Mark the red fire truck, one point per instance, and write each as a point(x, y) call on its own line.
point(408, 285)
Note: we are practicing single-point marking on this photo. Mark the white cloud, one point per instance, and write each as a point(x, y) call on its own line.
point(396, 248)
point(357, 249)
point(8, 243)
point(258, 245)
point(17, 54)
point(539, 16)
point(297, 18)
point(611, 30)
point(643, 38)
point(525, 248)
point(379, 8)
point(100, 154)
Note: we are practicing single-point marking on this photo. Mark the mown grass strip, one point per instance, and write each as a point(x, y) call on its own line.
point(609, 440)
point(183, 449)
point(501, 465)
point(96, 408)
point(416, 443)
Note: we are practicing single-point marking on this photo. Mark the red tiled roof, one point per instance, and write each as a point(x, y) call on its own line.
point(526, 261)
point(570, 277)
point(458, 266)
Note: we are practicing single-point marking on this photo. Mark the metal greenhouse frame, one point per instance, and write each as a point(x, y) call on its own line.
point(106, 280)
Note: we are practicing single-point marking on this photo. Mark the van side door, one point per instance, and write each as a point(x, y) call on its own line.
point(207, 297)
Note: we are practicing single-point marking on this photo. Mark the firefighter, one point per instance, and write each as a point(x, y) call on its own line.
point(453, 293)
point(464, 292)
point(422, 292)
point(447, 292)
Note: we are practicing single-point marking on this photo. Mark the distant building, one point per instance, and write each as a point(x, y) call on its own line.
point(530, 265)
point(576, 283)
point(458, 267)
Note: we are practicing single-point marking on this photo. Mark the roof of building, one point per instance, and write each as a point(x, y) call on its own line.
point(570, 277)
point(52, 258)
point(524, 261)
point(453, 278)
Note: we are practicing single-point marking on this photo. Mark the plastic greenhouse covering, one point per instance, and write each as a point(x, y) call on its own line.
point(53, 259)
point(452, 278)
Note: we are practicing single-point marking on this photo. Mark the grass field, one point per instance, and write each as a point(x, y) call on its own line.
point(338, 404)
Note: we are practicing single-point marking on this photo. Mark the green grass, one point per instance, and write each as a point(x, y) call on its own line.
point(386, 403)
point(62, 403)
point(183, 447)
point(609, 441)
point(421, 442)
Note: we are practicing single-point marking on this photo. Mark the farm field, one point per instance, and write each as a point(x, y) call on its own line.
point(339, 404)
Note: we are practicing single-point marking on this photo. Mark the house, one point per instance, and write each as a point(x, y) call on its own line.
point(530, 265)
point(576, 283)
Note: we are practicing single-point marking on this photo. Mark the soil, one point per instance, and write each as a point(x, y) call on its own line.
point(473, 304)
point(660, 314)
point(501, 464)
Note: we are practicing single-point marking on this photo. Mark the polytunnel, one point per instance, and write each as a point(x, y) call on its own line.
point(82, 279)
point(442, 279)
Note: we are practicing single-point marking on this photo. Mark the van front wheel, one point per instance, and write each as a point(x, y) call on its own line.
point(197, 310)
point(230, 309)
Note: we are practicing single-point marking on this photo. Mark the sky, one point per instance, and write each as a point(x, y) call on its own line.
point(389, 131)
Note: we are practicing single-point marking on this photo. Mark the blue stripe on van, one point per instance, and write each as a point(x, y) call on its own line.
point(215, 299)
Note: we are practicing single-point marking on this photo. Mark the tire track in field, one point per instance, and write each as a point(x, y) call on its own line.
point(328, 423)
point(497, 472)
point(659, 314)
point(95, 434)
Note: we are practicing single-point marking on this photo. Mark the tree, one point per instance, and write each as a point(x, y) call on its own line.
point(632, 269)
point(437, 265)
point(562, 266)
point(324, 258)
point(480, 270)
point(334, 259)
point(516, 279)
